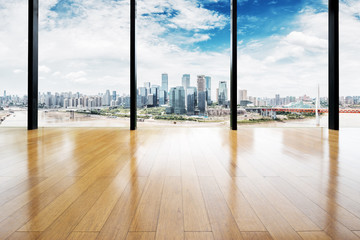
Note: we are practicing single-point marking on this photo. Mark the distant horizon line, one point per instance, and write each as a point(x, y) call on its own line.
point(128, 94)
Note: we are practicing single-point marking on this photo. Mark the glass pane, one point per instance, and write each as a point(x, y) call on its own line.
point(13, 63)
point(84, 63)
point(282, 63)
point(183, 63)
point(349, 63)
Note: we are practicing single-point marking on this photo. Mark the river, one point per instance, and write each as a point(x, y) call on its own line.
point(63, 119)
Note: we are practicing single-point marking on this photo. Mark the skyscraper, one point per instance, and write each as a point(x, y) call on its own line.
point(242, 95)
point(164, 82)
point(195, 94)
point(191, 94)
point(114, 96)
point(201, 83)
point(151, 100)
point(143, 95)
point(107, 98)
point(186, 81)
point(277, 100)
point(155, 90)
point(202, 102)
point(208, 89)
point(201, 93)
point(172, 98)
point(162, 97)
point(222, 93)
point(179, 100)
point(147, 85)
point(143, 91)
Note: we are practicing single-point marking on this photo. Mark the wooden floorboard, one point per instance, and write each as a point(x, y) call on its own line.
point(179, 183)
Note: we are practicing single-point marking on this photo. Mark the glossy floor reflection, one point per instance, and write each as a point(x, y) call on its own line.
point(106, 183)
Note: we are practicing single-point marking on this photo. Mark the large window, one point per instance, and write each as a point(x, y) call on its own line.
point(13, 63)
point(282, 63)
point(349, 19)
point(183, 63)
point(84, 63)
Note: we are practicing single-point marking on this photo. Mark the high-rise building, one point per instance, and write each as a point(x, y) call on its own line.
point(151, 100)
point(277, 100)
point(155, 89)
point(139, 101)
point(191, 94)
point(48, 99)
point(253, 100)
point(66, 103)
point(195, 96)
point(143, 95)
point(164, 82)
point(208, 89)
point(114, 96)
point(201, 98)
point(179, 100)
point(202, 102)
point(127, 102)
point(222, 93)
point(147, 85)
point(162, 97)
point(142, 91)
point(106, 98)
point(172, 98)
point(201, 83)
point(186, 81)
point(242, 95)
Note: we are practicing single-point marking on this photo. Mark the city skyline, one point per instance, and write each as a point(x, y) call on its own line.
point(276, 99)
point(282, 45)
point(190, 81)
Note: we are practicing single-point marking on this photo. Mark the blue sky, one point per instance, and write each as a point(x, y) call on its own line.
point(84, 45)
point(256, 20)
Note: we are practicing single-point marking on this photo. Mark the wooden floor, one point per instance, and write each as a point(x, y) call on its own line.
point(257, 183)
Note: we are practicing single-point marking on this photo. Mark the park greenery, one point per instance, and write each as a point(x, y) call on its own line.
point(174, 117)
point(257, 120)
point(158, 113)
point(292, 115)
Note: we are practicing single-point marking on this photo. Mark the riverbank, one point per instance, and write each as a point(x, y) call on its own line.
point(64, 119)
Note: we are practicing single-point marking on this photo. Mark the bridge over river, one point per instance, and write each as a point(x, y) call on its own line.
point(271, 112)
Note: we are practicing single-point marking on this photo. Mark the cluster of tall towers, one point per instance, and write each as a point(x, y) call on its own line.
point(181, 99)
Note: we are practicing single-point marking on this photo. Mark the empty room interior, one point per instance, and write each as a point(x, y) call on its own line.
point(180, 119)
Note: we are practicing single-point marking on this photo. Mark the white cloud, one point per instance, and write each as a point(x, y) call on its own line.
point(98, 43)
point(294, 64)
point(89, 51)
point(44, 69)
point(13, 46)
point(77, 77)
point(306, 41)
point(191, 16)
point(17, 71)
point(291, 65)
point(349, 47)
